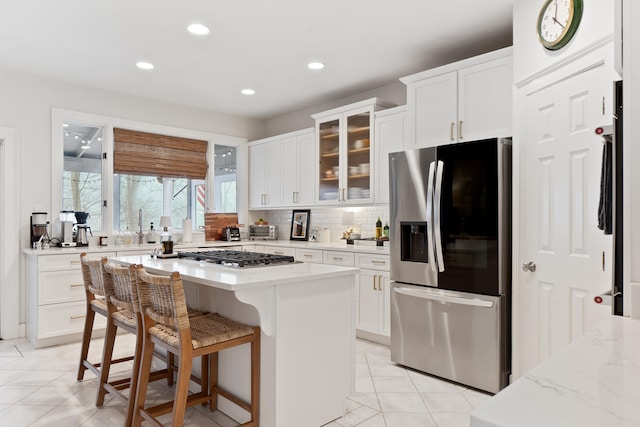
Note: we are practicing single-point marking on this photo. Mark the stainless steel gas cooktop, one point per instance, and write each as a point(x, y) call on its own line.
point(238, 258)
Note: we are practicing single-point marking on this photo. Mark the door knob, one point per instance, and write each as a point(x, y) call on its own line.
point(529, 266)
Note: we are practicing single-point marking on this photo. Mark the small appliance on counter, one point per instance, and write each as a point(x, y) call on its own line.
point(263, 232)
point(39, 226)
point(67, 219)
point(82, 228)
point(231, 234)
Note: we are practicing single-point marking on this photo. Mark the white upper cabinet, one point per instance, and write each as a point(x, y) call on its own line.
point(345, 149)
point(298, 162)
point(390, 134)
point(265, 173)
point(280, 170)
point(464, 101)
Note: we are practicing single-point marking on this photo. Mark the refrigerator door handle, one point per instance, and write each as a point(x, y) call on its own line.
point(430, 252)
point(436, 216)
point(444, 298)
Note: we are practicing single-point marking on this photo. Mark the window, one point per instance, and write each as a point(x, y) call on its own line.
point(82, 175)
point(97, 177)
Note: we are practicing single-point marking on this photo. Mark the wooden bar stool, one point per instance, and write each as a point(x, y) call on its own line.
point(124, 308)
point(124, 312)
point(95, 303)
point(167, 325)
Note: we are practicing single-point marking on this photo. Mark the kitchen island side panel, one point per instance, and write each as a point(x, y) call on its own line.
point(307, 360)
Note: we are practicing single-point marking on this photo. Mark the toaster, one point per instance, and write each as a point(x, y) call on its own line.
point(231, 234)
point(263, 232)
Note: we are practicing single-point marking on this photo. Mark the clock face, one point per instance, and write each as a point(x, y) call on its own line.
point(558, 22)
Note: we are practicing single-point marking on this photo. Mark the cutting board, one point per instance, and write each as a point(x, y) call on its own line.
point(215, 222)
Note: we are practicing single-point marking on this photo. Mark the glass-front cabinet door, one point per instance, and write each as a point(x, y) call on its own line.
point(345, 148)
point(329, 155)
point(358, 156)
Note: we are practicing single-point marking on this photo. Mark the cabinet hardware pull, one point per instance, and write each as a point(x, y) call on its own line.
point(76, 285)
point(337, 258)
point(379, 282)
point(460, 130)
point(78, 317)
point(74, 262)
point(278, 253)
point(451, 130)
point(373, 281)
point(307, 256)
point(603, 103)
point(375, 261)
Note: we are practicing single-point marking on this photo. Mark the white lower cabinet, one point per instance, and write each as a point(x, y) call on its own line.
point(373, 294)
point(56, 306)
point(309, 255)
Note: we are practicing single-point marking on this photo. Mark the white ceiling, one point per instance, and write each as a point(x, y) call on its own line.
point(264, 45)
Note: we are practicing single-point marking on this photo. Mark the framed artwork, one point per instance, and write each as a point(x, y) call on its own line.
point(300, 224)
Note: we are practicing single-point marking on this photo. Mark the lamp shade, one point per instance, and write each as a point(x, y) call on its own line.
point(165, 221)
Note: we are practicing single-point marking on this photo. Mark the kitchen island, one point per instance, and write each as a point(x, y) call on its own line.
point(306, 312)
point(591, 382)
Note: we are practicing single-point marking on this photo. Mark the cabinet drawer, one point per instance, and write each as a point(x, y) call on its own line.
point(338, 258)
point(373, 261)
point(60, 286)
point(63, 319)
point(67, 261)
point(280, 251)
point(309, 255)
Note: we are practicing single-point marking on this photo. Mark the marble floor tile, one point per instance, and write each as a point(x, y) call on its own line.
point(38, 387)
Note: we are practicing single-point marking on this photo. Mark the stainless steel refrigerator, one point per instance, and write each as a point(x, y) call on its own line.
point(450, 236)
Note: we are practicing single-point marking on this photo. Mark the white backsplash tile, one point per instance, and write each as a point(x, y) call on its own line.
point(326, 217)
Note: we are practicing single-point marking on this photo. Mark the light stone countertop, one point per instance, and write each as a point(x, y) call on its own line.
point(594, 381)
point(368, 247)
point(233, 278)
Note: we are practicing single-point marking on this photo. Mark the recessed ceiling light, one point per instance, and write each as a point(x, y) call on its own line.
point(198, 29)
point(248, 91)
point(315, 65)
point(144, 65)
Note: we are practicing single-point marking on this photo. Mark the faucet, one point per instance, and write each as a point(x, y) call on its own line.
point(140, 233)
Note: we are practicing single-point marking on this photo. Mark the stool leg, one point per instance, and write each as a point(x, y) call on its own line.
point(213, 382)
point(255, 377)
point(182, 389)
point(135, 372)
point(105, 365)
point(143, 380)
point(171, 362)
point(86, 339)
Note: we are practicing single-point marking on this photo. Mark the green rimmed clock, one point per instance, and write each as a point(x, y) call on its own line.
point(558, 22)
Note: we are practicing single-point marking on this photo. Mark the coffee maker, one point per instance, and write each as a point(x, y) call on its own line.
point(81, 233)
point(67, 219)
point(39, 226)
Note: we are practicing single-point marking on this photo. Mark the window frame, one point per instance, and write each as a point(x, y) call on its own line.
point(60, 116)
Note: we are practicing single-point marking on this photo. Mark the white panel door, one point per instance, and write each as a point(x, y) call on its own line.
point(484, 100)
point(433, 105)
point(389, 139)
point(559, 194)
point(289, 154)
point(257, 189)
point(306, 193)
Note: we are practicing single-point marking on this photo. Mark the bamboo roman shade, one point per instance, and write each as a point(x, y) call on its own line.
point(143, 153)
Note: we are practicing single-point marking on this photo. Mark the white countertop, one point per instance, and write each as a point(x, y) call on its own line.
point(595, 381)
point(368, 247)
point(233, 279)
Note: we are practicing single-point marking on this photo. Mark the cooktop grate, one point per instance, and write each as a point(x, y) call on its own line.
point(238, 258)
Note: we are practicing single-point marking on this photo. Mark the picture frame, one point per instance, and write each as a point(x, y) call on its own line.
point(300, 224)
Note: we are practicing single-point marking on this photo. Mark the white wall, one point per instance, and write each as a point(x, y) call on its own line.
point(26, 102)
point(528, 55)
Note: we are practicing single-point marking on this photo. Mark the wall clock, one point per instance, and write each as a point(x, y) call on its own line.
point(558, 22)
